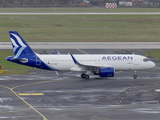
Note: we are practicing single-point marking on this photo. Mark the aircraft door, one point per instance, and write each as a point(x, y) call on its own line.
point(136, 61)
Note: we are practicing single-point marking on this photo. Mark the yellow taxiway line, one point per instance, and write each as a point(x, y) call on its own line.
point(81, 51)
point(30, 106)
point(21, 94)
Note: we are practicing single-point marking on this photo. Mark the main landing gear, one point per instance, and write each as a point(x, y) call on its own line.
point(83, 75)
point(134, 76)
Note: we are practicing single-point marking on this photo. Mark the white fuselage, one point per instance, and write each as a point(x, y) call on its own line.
point(118, 61)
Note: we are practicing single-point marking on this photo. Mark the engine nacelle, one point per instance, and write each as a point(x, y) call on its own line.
point(106, 72)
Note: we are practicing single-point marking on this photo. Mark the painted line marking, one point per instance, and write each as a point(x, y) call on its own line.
point(23, 94)
point(118, 71)
point(20, 110)
point(37, 94)
point(126, 89)
point(81, 51)
point(147, 72)
point(30, 106)
point(34, 83)
point(44, 118)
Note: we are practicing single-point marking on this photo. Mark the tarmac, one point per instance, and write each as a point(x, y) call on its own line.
point(44, 95)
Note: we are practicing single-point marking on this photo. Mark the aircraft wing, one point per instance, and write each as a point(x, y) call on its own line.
point(84, 67)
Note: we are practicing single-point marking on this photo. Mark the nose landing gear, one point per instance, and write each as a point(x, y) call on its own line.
point(134, 76)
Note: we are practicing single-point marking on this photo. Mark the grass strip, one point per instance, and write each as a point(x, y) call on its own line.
point(10, 68)
point(153, 53)
point(6, 65)
point(82, 28)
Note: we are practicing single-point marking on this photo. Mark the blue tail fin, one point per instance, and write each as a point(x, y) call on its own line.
point(24, 55)
point(20, 47)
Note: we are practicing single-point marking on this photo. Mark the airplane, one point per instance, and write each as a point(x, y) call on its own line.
point(102, 65)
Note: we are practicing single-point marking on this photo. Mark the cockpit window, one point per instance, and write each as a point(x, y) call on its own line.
point(145, 60)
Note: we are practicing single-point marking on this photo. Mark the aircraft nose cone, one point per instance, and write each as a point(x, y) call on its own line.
point(153, 64)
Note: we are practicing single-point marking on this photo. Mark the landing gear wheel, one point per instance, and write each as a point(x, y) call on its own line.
point(86, 76)
point(135, 76)
point(83, 75)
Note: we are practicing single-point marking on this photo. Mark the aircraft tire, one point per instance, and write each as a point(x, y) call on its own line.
point(135, 76)
point(86, 76)
point(83, 75)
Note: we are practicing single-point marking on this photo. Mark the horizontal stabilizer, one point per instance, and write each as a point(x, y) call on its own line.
point(23, 60)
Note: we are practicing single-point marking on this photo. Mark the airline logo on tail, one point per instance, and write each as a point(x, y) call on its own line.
point(24, 54)
point(20, 47)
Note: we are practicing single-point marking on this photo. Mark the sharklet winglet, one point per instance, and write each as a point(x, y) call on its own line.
point(74, 60)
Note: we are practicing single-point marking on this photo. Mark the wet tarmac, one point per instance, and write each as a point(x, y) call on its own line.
point(43, 95)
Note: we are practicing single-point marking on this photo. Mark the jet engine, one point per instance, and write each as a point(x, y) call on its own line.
point(106, 72)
